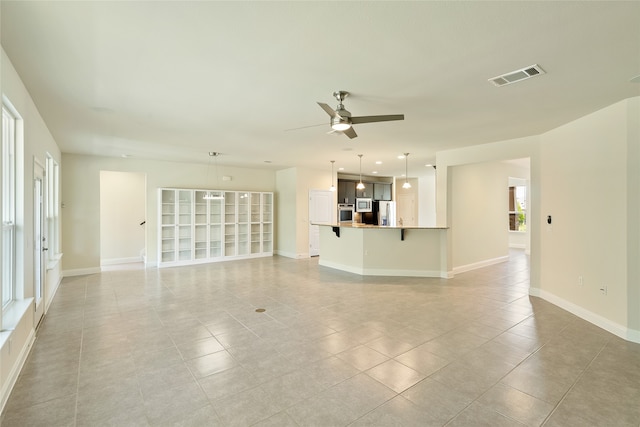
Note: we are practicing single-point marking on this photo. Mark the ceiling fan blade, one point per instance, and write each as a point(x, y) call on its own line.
point(350, 133)
point(371, 119)
point(330, 111)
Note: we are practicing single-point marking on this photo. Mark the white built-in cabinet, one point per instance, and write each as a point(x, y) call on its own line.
point(207, 225)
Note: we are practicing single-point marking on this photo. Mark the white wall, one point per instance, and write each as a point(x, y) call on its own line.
point(427, 199)
point(586, 171)
point(81, 198)
point(38, 143)
point(293, 186)
point(479, 220)
point(122, 209)
point(286, 213)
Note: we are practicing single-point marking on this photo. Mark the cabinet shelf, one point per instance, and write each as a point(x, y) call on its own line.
point(194, 229)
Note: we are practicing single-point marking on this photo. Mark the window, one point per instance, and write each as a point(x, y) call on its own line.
point(53, 208)
point(518, 208)
point(8, 206)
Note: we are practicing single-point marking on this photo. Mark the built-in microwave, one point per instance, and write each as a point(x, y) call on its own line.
point(346, 212)
point(364, 204)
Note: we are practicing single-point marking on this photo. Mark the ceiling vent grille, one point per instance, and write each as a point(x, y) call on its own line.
point(517, 76)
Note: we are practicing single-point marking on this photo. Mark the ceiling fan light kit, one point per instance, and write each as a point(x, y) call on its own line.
point(341, 120)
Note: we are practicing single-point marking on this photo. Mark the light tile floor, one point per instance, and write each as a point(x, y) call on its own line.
point(185, 346)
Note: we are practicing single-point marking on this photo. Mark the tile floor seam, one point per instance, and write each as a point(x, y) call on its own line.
point(158, 297)
point(582, 372)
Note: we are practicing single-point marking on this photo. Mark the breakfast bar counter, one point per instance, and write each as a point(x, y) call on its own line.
point(372, 250)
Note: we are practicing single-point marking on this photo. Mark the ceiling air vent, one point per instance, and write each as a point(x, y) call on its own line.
point(518, 75)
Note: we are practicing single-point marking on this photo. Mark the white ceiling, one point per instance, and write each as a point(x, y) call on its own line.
point(175, 80)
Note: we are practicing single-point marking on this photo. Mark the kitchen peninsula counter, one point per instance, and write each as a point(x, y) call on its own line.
point(373, 250)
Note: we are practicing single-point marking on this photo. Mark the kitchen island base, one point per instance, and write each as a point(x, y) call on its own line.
point(386, 251)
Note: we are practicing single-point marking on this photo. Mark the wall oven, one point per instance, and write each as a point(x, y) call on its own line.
point(346, 212)
point(364, 204)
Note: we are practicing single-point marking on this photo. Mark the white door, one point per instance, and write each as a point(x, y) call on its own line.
point(320, 211)
point(39, 241)
point(405, 210)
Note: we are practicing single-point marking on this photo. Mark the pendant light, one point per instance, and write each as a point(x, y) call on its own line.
point(360, 185)
point(406, 172)
point(208, 195)
point(333, 187)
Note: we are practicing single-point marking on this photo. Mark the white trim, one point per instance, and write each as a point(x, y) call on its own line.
point(81, 271)
point(517, 246)
point(291, 254)
point(115, 261)
point(591, 317)
point(480, 264)
point(16, 369)
point(385, 272)
point(53, 295)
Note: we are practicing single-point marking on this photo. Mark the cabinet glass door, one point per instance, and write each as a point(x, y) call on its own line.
point(230, 223)
point(267, 237)
point(185, 214)
point(200, 225)
point(267, 222)
point(243, 223)
point(255, 207)
point(267, 207)
point(168, 226)
point(255, 239)
point(216, 205)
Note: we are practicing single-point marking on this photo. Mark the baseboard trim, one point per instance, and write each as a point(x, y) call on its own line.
point(591, 317)
point(116, 261)
point(291, 254)
point(384, 272)
point(16, 369)
point(81, 271)
point(479, 264)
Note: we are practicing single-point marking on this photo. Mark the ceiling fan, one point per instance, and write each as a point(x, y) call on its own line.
point(341, 119)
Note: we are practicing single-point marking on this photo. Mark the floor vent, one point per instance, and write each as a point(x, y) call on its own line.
point(517, 76)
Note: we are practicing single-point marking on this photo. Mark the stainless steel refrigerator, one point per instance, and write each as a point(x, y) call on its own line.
point(387, 213)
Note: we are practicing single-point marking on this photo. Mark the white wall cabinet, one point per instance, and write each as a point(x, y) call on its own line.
point(199, 226)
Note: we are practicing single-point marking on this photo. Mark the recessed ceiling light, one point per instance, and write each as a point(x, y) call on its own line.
point(340, 169)
point(401, 156)
point(428, 165)
point(378, 162)
point(374, 172)
point(125, 156)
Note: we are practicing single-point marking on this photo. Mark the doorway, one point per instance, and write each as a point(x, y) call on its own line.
point(39, 241)
point(122, 219)
point(320, 211)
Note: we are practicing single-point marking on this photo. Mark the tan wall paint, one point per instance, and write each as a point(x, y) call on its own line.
point(81, 198)
point(584, 187)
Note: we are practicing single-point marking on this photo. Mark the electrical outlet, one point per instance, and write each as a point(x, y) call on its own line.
point(580, 283)
point(603, 290)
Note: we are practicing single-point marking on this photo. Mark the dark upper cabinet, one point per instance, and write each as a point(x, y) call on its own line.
point(346, 192)
point(381, 191)
point(367, 192)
